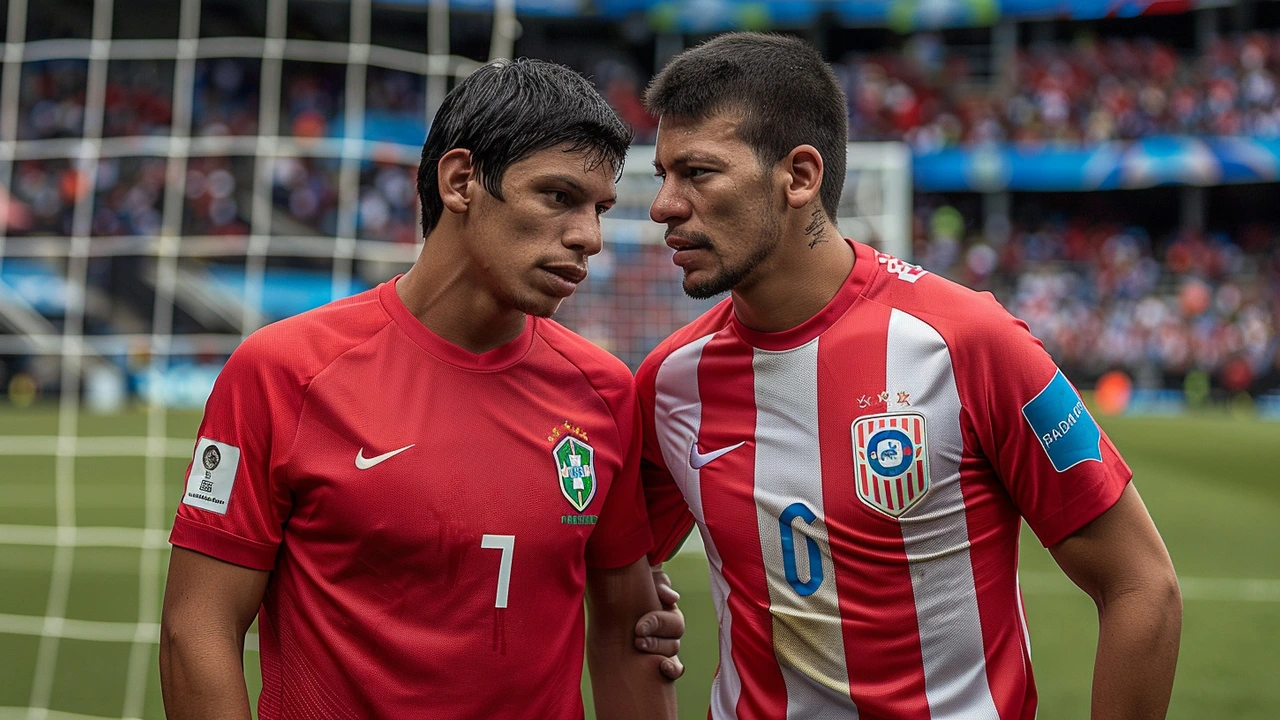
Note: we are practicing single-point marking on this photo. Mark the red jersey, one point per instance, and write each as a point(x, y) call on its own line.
point(427, 514)
point(858, 482)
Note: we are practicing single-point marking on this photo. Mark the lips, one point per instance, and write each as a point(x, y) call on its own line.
point(562, 279)
point(677, 243)
point(686, 250)
point(573, 273)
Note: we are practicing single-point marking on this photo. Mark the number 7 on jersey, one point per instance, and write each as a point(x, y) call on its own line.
point(507, 544)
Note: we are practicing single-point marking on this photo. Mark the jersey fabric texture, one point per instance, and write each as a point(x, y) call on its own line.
point(858, 482)
point(443, 580)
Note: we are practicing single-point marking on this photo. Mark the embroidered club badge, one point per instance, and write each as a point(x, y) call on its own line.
point(576, 469)
point(890, 460)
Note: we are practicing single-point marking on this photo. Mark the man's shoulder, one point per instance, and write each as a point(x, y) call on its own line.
point(593, 360)
point(957, 312)
point(608, 376)
point(708, 323)
point(984, 340)
point(297, 348)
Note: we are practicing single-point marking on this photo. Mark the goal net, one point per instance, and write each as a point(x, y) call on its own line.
point(174, 174)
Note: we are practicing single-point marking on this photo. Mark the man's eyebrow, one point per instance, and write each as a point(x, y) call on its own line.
point(578, 187)
point(567, 180)
point(691, 157)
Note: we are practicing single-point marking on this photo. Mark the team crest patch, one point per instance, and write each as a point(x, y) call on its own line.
point(891, 462)
point(212, 474)
point(576, 468)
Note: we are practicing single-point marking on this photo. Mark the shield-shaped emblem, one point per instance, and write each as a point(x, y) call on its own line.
point(575, 464)
point(890, 460)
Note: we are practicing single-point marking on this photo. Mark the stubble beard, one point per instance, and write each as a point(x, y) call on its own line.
point(730, 276)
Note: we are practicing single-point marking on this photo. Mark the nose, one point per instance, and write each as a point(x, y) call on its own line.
point(669, 205)
point(584, 235)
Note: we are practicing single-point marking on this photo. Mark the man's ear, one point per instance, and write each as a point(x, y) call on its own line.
point(803, 168)
point(456, 180)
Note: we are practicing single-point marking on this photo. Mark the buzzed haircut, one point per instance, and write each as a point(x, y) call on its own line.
point(784, 90)
point(506, 111)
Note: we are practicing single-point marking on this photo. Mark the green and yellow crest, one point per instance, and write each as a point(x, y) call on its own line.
point(576, 468)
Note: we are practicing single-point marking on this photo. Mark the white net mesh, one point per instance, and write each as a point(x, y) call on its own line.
point(169, 171)
point(173, 175)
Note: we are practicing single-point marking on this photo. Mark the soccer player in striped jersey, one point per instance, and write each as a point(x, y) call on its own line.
point(858, 440)
point(413, 489)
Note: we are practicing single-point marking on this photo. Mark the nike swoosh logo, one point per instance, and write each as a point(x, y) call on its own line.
point(365, 463)
point(697, 459)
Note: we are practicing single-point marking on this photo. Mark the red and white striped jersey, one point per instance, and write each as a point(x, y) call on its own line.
point(859, 482)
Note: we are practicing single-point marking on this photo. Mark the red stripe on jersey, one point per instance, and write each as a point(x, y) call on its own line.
point(859, 448)
point(994, 526)
point(865, 474)
point(872, 575)
point(726, 385)
point(919, 484)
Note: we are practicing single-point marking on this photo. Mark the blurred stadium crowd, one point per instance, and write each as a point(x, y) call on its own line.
point(1106, 296)
point(1067, 93)
point(1101, 293)
point(139, 103)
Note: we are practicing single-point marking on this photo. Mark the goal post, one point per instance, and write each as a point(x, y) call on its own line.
point(876, 205)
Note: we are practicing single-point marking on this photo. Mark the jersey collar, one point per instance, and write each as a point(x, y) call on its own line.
point(498, 358)
point(864, 266)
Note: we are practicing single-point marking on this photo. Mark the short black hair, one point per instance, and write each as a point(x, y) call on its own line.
point(787, 95)
point(506, 111)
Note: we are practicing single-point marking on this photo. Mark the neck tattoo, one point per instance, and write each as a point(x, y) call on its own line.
point(817, 227)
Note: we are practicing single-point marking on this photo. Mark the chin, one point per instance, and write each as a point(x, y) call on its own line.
point(701, 288)
point(543, 307)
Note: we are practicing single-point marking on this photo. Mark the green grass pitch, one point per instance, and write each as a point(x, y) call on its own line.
point(1211, 482)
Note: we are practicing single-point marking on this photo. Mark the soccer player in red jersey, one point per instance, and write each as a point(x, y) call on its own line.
point(412, 489)
point(858, 440)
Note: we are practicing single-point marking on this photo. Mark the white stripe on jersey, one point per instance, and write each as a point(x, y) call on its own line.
point(678, 417)
point(807, 635)
point(1022, 613)
point(935, 532)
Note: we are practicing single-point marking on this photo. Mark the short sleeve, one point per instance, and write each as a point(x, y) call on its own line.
point(670, 519)
point(621, 535)
point(1057, 464)
point(233, 504)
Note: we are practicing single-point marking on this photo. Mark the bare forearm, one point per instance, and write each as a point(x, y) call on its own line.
point(1138, 638)
point(202, 678)
point(626, 684)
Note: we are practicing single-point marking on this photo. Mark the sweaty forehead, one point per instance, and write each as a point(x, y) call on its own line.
point(715, 138)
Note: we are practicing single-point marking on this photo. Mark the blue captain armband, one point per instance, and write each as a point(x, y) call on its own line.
point(1063, 425)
